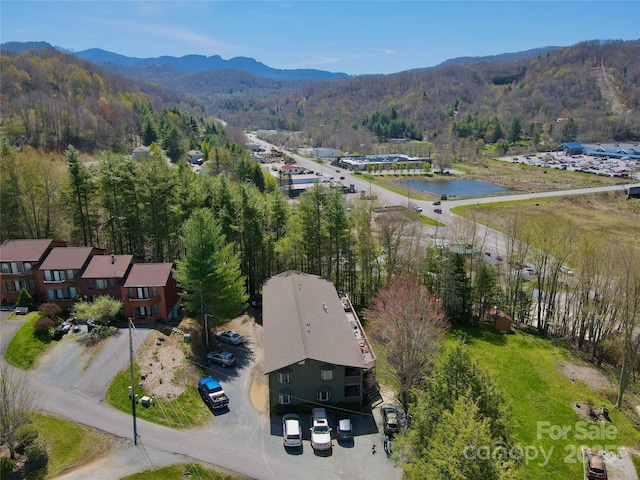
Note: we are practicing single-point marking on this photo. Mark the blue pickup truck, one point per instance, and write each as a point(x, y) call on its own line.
point(212, 393)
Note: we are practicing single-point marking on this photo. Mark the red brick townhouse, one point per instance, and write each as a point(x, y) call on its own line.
point(19, 260)
point(150, 293)
point(58, 277)
point(105, 275)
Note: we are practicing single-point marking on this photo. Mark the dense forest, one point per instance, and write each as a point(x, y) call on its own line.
point(52, 99)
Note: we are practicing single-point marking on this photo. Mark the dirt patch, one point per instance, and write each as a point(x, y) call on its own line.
point(164, 361)
point(591, 377)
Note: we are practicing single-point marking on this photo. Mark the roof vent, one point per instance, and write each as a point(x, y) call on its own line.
point(113, 259)
point(324, 307)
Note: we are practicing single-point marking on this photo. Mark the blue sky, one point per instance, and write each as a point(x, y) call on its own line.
point(354, 37)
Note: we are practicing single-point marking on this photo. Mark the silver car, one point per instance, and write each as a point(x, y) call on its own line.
point(223, 358)
point(291, 431)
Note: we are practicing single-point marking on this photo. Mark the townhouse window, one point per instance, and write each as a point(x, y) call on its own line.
point(90, 283)
point(112, 283)
point(143, 292)
point(23, 284)
point(5, 268)
point(10, 286)
point(154, 291)
point(32, 284)
point(284, 397)
point(352, 390)
point(136, 311)
point(27, 267)
point(69, 274)
point(47, 275)
point(132, 292)
point(156, 310)
point(16, 267)
point(101, 284)
point(327, 372)
point(284, 376)
point(324, 394)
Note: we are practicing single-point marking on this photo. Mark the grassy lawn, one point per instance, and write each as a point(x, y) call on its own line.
point(524, 366)
point(174, 472)
point(26, 346)
point(606, 215)
point(68, 443)
point(186, 411)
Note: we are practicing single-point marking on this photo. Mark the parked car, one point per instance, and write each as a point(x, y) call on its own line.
point(22, 310)
point(595, 467)
point(390, 418)
point(320, 431)
point(437, 210)
point(345, 430)
point(212, 393)
point(57, 334)
point(230, 336)
point(341, 178)
point(291, 432)
point(437, 202)
point(417, 208)
point(223, 358)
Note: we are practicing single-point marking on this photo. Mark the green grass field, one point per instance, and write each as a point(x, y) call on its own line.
point(525, 367)
point(68, 442)
point(177, 472)
point(186, 411)
point(26, 346)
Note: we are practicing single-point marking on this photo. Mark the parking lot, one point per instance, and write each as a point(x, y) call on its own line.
point(598, 163)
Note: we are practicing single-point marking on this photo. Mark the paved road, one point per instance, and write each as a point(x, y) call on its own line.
point(492, 239)
point(245, 440)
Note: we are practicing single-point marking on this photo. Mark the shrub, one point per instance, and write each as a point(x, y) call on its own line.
point(25, 299)
point(36, 451)
point(25, 436)
point(43, 325)
point(50, 309)
point(6, 467)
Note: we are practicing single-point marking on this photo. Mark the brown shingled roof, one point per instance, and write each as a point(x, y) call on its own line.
point(62, 258)
point(148, 275)
point(303, 318)
point(108, 266)
point(23, 250)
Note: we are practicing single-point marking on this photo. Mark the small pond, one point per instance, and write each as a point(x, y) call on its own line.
point(458, 187)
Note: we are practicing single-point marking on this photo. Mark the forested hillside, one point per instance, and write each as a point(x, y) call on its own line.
point(52, 99)
point(595, 84)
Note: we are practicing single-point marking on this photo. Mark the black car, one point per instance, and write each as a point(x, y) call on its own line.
point(57, 334)
point(437, 210)
point(390, 418)
point(345, 430)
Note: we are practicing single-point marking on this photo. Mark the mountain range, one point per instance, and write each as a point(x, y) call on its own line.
point(148, 68)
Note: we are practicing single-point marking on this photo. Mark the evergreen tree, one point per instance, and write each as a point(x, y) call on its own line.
point(209, 273)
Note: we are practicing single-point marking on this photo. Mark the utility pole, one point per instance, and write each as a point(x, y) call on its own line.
point(133, 388)
point(206, 328)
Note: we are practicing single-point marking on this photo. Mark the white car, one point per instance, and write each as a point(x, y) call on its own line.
point(291, 432)
point(320, 431)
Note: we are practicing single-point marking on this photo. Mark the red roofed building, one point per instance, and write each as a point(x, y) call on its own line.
point(105, 275)
point(19, 260)
point(150, 293)
point(58, 277)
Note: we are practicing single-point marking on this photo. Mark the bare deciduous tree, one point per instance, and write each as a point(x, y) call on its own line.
point(629, 321)
point(409, 321)
point(16, 402)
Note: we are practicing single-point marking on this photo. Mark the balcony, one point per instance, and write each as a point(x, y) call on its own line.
point(358, 332)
